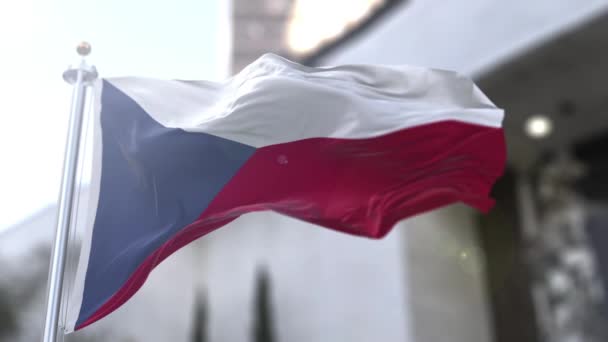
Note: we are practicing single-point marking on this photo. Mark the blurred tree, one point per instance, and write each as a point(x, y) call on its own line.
point(199, 326)
point(18, 289)
point(22, 290)
point(263, 331)
point(8, 319)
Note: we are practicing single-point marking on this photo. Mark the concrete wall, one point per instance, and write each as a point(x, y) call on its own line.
point(325, 286)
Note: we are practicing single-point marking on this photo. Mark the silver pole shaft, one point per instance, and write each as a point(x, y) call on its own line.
point(58, 258)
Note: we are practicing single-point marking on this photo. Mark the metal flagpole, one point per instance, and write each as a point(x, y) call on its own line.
point(80, 77)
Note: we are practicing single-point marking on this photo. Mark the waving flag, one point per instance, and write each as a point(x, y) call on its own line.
point(351, 148)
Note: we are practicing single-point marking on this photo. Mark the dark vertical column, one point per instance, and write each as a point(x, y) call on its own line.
point(508, 276)
point(263, 331)
point(199, 324)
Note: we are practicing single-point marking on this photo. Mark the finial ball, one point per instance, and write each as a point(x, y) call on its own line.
point(83, 49)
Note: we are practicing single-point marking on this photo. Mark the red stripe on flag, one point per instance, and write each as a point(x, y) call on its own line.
point(357, 186)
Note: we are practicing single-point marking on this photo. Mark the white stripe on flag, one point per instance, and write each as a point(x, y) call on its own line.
point(275, 101)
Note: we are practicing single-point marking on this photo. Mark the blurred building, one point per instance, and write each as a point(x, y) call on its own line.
point(535, 269)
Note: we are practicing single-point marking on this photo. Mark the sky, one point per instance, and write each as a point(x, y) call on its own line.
point(183, 39)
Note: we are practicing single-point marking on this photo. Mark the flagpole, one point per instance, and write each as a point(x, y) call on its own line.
point(81, 78)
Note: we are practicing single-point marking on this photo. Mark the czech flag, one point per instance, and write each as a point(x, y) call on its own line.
point(353, 148)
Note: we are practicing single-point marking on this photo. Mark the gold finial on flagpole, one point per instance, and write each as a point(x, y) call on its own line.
point(87, 72)
point(83, 49)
